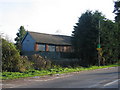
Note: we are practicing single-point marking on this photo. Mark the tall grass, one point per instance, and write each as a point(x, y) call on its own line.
point(55, 70)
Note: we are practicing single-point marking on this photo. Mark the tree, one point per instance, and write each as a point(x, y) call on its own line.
point(11, 59)
point(20, 35)
point(109, 41)
point(117, 11)
point(0, 52)
point(91, 26)
point(85, 37)
point(117, 20)
point(10, 56)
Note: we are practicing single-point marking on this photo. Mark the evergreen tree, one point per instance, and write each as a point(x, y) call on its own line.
point(85, 37)
point(109, 41)
point(89, 28)
point(117, 19)
point(20, 35)
point(117, 11)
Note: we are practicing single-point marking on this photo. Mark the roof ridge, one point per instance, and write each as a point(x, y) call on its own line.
point(50, 38)
point(49, 34)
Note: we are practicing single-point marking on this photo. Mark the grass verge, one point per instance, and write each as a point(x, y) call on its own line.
point(57, 70)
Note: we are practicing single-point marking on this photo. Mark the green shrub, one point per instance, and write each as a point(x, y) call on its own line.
point(39, 62)
point(11, 59)
point(25, 64)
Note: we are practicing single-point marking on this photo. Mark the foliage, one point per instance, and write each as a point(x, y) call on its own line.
point(117, 11)
point(39, 62)
point(117, 19)
point(11, 59)
point(85, 37)
point(25, 64)
point(109, 41)
point(52, 71)
point(20, 35)
point(0, 53)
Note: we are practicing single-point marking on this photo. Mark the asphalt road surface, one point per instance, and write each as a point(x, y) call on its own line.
point(101, 78)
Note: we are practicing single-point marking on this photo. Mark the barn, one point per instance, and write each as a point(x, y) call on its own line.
point(48, 45)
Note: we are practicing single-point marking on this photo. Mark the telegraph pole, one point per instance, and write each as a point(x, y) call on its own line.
point(99, 46)
point(1, 52)
point(99, 36)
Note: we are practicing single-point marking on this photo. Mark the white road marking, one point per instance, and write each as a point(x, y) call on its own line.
point(93, 86)
point(105, 84)
point(111, 82)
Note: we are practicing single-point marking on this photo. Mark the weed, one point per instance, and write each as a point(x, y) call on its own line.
point(56, 70)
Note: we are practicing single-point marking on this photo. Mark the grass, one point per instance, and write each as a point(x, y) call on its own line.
point(57, 70)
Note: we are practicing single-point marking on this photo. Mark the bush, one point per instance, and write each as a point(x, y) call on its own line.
point(39, 62)
point(25, 64)
point(11, 59)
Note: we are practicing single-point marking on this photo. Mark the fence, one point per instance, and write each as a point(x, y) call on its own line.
point(58, 58)
point(50, 55)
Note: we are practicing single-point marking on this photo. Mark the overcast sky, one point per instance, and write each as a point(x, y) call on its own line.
point(47, 16)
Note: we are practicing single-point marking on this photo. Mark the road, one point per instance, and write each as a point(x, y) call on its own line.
point(101, 78)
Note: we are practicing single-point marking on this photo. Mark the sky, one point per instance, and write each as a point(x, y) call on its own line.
point(47, 16)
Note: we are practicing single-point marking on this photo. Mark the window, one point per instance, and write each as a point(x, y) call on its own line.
point(51, 48)
point(41, 47)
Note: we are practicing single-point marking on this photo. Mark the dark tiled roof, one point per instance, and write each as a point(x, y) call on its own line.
point(51, 39)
